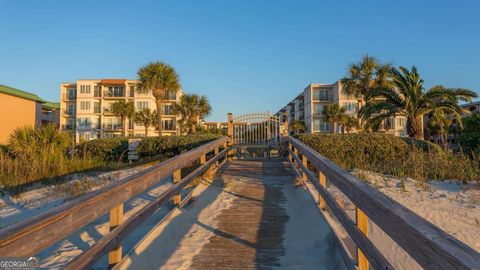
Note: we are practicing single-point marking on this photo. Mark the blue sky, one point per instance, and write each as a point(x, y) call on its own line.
point(244, 55)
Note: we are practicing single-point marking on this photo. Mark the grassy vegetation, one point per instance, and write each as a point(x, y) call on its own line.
point(387, 154)
point(43, 154)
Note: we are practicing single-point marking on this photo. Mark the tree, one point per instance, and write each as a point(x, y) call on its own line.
point(469, 137)
point(298, 126)
point(191, 108)
point(348, 123)
point(161, 79)
point(407, 97)
point(146, 118)
point(439, 125)
point(123, 109)
point(365, 76)
point(333, 113)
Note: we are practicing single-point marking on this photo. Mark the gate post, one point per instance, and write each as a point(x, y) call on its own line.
point(230, 134)
point(285, 125)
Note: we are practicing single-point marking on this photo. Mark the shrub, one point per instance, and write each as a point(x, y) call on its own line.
point(170, 146)
point(106, 149)
point(388, 154)
point(469, 137)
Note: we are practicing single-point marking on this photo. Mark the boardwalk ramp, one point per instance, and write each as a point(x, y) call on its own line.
point(251, 217)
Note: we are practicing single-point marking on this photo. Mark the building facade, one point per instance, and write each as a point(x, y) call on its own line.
point(19, 108)
point(309, 104)
point(86, 109)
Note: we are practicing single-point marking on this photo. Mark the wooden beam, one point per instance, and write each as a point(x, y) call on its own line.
point(88, 257)
point(116, 218)
point(362, 224)
point(305, 163)
point(375, 257)
point(177, 176)
point(322, 180)
point(427, 244)
point(39, 232)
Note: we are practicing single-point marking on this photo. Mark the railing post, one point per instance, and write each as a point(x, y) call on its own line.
point(116, 218)
point(362, 224)
point(177, 176)
point(305, 163)
point(215, 152)
point(322, 179)
point(295, 151)
point(203, 159)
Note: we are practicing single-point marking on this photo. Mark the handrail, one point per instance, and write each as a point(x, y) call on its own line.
point(31, 236)
point(114, 237)
point(428, 245)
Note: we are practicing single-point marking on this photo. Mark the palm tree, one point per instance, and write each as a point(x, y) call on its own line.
point(333, 113)
point(161, 79)
point(146, 118)
point(439, 124)
point(298, 126)
point(123, 109)
point(365, 76)
point(408, 98)
point(29, 141)
point(191, 108)
point(349, 122)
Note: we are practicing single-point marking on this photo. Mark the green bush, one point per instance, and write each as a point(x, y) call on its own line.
point(106, 149)
point(388, 154)
point(170, 146)
point(469, 137)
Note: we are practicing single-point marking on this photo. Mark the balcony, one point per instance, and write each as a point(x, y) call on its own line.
point(68, 112)
point(69, 96)
point(68, 127)
point(107, 110)
point(112, 126)
point(109, 94)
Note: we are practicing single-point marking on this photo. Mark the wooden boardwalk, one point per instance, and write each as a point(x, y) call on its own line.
point(249, 234)
point(268, 224)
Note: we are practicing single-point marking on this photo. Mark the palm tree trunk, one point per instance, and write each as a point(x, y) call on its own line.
point(194, 128)
point(146, 131)
point(334, 127)
point(415, 128)
point(159, 116)
point(124, 126)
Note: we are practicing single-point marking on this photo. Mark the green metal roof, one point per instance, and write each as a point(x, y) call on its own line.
point(19, 93)
point(51, 105)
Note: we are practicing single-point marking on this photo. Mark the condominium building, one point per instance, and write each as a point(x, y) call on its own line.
point(309, 104)
point(19, 108)
point(86, 109)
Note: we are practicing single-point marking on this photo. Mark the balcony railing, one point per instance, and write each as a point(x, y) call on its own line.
point(68, 112)
point(112, 126)
point(107, 110)
point(68, 127)
point(68, 96)
point(113, 94)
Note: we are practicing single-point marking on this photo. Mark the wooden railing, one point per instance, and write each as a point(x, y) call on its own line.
point(33, 235)
point(428, 245)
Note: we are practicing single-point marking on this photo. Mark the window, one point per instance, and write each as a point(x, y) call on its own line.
point(84, 105)
point(84, 89)
point(96, 107)
point(171, 96)
point(320, 94)
point(71, 109)
point(401, 121)
point(350, 106)
point(142, 105)
point(84, 122)
point(96, 91)
point(167, 109)
point(115, 91)
point(320, 125)
point(132, 90)
point(317, 108)
point(71, 93)
point(168, 124)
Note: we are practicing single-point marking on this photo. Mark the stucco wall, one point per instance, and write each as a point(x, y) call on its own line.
point(15, 112)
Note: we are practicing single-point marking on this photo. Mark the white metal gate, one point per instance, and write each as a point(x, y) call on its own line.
point(256, 129)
